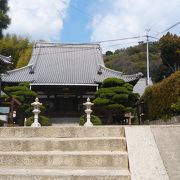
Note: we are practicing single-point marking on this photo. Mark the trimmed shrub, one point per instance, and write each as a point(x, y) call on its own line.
point(101, 101)
point(112, 82)
point(120, 98)
point(120, 89)
point(116, 108)
point(114, 97)
point(94, 119)
point(44, 121)
point(159, 98)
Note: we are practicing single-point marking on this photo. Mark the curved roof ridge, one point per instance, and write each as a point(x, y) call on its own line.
point(18, 75)
point(5, 59)
point(139, 74)
point(111, 70)
point(19, 69)
point(36, 56)
point(54, 44)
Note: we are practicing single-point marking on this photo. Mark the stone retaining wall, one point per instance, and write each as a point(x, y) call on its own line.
point(173, 120)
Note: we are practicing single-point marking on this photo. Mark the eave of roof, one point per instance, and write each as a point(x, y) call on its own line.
point(55, 84)
point(106, 73)
point(66, 64)
point(5, 59)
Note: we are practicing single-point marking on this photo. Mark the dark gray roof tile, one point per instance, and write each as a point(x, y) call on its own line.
point(65, 64)
point(6, 60)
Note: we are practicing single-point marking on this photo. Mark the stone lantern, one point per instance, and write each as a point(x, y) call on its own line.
point(36, 112)
point(88, 111)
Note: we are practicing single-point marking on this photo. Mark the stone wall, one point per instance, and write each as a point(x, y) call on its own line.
point(173, 120)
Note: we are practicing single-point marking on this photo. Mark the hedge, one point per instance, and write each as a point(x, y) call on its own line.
point(94, 119)
point(44, 121)
point(159, 98)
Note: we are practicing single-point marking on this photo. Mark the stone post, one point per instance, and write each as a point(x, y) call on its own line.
point(36, 112)
point(88, 111)
point(25, 120)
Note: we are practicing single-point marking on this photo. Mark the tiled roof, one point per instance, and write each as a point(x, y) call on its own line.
point(18, 75)
point(4, 59)
point(65, 64)
point(141, 86)
point(105, 72)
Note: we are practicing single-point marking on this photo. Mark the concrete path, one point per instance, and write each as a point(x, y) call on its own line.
point(168, 141)
point(144, 158)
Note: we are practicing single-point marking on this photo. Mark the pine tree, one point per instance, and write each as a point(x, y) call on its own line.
point(4, 18)
point(115, 97)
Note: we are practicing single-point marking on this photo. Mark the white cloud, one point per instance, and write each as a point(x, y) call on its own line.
point(127, 18)
point(38, 19)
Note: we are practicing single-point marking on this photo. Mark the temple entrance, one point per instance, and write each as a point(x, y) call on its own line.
point(62, 106)
point(67, 104)
point(64, 101)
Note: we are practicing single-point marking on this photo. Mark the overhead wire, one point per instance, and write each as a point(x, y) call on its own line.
point(64, 45)
point(120, 44)
point(167, 29)
point(84, 49)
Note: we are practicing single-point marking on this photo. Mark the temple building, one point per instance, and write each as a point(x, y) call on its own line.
point(4, 62)
point(64, 75)
point(5, 59)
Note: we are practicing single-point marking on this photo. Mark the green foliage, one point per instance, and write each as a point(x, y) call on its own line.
point(112, 82)
point(20, 92)
point(115, 97)
point(4, 100)
point(4, 18)
point(170, 51)
point(160, 72)
point(25, 84)
point(128, 86)
point(121, 89)
point(131, 60)
point(109, 53)
point(159, 98)
point(24, 57)
point(116, 108)
point(101, 101)
point(176, 106)
point(44, 121)
point(4, 97)
point(18, 48)
point(24, 95)
point(120, 98)
point(3, 67)
point(94, 119)
point(104, 92)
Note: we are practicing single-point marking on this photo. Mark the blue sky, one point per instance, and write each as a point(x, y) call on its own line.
point(76, 21)
point(75, 26)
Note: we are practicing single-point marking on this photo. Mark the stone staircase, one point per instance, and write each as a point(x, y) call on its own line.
point(63, 153)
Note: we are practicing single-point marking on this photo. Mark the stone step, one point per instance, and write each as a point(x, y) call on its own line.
point(62, 131)
point(59, 159)
point(63, 144)
point(64, 174)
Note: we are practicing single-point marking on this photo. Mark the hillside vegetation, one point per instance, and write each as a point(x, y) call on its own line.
point(131, 60)
point(18, 48)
